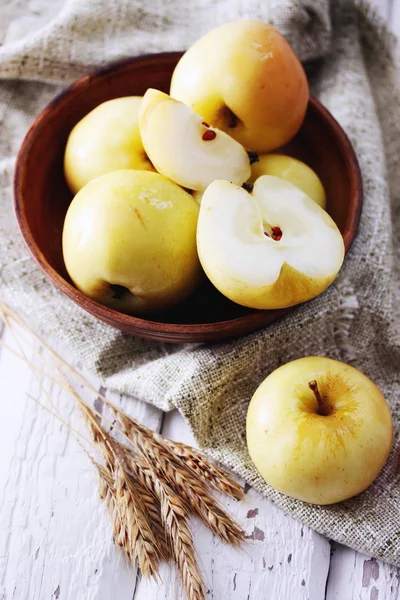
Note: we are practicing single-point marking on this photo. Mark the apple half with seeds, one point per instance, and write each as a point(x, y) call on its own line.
point(267, 248)
point(186, 149)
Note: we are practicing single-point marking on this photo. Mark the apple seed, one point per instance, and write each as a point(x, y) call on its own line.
point(276, 233)
point(208, 135)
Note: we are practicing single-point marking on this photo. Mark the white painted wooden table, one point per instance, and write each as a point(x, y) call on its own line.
point(55, 535)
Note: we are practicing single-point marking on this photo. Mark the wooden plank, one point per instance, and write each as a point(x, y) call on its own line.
point(382, 7)
point(55, 533)
point(356, 576)
point(394, 18)
point(281, 559)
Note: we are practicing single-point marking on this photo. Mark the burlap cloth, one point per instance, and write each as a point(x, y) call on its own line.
point(351, 60)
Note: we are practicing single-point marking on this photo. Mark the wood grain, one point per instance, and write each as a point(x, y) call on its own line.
point(55, 533)
point(354, 575)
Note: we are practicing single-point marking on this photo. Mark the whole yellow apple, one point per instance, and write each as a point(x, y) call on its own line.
point(292, 170)
point(129, 241)
point(245, 79)
point(319, 430)
point(269, 248)
point(106, 139)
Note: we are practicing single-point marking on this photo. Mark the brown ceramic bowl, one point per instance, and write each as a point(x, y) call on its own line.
point(42, 198)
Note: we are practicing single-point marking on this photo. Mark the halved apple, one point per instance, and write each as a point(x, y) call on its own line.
point(185, 148)
point(268, 249)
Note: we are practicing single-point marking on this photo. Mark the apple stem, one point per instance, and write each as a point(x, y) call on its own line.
point(313, 385)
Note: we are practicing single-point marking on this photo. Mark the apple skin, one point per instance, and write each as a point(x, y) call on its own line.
point(134, 229)
point(320, 459)
point(106, 139)
point(245, 79)
point(292, 170)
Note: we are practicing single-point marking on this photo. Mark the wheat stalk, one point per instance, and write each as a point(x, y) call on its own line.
point(201, 466)
point(153, 509)
point(185, 483)
point(195, 494)
point(173, 515)
point(132, 527)
point(150, 490)
point(197, 462)
point(173, 511)
point(182, 541)
point(136, 536)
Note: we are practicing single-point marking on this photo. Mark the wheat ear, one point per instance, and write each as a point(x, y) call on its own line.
point(200, 465)
point(173, 515)
point(132, 528)
point(185, 483)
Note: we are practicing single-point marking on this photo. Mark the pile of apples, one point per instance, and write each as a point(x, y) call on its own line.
point(168, 188)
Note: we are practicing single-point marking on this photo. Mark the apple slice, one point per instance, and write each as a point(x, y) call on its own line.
point(185, 148)
point(268, 249)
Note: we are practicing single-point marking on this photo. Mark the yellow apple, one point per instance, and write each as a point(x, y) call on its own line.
point(185, 148)
point(319, 430)
point(245, 79)
point(292, 170)
point(107, 139)
point(270, 248)
point(129, 241)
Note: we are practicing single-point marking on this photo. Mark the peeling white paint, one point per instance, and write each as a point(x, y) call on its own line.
point(55, 534)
